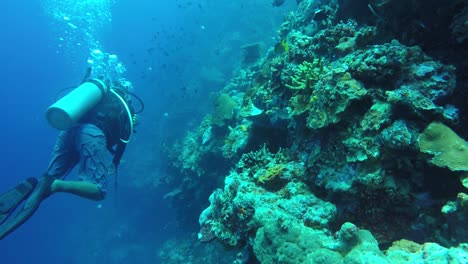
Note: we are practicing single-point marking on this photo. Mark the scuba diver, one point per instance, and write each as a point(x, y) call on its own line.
point(97, 122)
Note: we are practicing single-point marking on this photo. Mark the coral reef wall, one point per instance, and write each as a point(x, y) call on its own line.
point(346, 141)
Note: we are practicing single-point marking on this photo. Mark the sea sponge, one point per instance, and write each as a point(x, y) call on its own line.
point(448, 149)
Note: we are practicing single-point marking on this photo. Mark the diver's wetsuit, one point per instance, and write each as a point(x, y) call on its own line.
point(94, 144)
point(83, 144)
point(91, 143)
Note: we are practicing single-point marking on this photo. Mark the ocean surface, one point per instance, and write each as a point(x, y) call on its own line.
point(45, 47)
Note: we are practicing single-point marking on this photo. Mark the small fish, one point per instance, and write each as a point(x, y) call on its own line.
point(282, 46)
point(320, 14)
point(277, 3)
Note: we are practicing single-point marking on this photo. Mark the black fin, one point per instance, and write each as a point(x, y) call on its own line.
point(12, 198)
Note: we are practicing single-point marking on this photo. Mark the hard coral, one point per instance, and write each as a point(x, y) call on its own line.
point(448, 149)
point(271, 174)
point(335, 92)
point(306, 74)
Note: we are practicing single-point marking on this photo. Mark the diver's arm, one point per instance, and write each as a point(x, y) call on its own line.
point(81, 188)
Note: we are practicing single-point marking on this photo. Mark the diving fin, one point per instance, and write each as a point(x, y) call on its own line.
point(40, 192)
point(12, 198)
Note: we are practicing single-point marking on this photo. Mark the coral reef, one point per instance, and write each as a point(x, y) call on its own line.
point(404, 251)
point(189, 250)
point(339, 146)
point(245, 204)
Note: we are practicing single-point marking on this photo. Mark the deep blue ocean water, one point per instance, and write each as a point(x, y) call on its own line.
point(163, 45)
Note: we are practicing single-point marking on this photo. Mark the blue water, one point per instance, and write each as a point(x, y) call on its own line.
point(163, 45)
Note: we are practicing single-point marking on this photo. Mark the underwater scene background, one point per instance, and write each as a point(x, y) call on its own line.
point(280, 131)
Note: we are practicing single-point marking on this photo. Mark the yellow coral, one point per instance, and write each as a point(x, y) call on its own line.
point(271, 173)
point(307, 74)
point(313, 98)
point(243, 128)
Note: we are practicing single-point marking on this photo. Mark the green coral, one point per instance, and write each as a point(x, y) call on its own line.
point(301, 103)
point(275, 176)
point(335, 92)
point(271, 174)
point(377, 116)
point(306, 74)
point(448, 149)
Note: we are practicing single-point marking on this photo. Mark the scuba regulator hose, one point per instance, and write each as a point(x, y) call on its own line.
point(129, 113)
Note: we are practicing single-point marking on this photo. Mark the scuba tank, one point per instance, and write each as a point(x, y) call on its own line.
point(66, 112)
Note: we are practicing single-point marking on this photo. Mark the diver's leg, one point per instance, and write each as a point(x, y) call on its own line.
point(95, 164)
point(12, 198)
point(84, 189)
point(62, 161)
point(64, 156)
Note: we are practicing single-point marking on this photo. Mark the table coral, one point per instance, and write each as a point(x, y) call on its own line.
point(447, 148)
